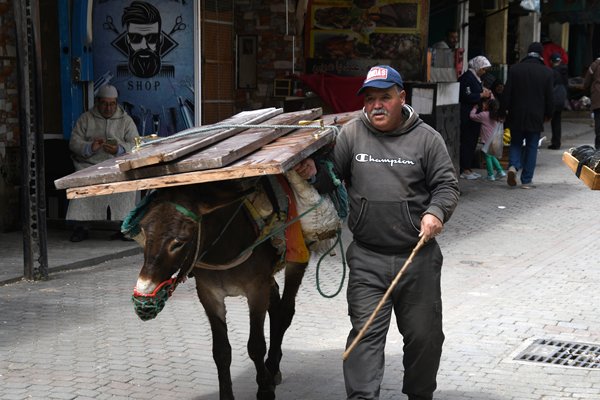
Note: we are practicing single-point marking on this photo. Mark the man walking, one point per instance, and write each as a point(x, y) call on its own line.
point(561, 82)
point(401, 186)
point(527, 102)
point(591, 82)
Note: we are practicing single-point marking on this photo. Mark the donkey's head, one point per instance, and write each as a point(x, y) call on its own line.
point(171, 233)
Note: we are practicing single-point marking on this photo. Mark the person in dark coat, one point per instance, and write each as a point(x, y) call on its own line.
point(561, 83)
point(591, 83)
point(471, 93)
point(527, 102)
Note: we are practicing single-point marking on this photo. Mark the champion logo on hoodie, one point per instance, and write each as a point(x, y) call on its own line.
point(363, 157)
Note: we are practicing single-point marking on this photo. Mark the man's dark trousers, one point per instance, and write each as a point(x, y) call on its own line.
point(416, 302)
point(556, 128)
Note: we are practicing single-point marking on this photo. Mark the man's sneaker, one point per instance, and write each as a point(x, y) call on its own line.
point(527, 186)
point(512, 176)
point(475, 174)
point(500, 174)
point(541, 141)
point(491, 178)
point(470, 176)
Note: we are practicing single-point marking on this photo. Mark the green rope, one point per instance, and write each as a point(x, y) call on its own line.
point(334, 178)
point(338, 240)
point(188, 213)
point(281, 228)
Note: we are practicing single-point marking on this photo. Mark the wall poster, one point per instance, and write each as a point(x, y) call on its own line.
point(146, 50)
point(347, 37)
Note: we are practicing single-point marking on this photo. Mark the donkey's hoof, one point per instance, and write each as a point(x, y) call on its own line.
point(277, 378)
point(265, 395)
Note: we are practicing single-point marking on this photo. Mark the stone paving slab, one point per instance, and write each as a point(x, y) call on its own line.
point(62, 254)
point(518, 265)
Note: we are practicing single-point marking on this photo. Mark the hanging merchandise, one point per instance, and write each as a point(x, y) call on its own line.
point(531, 5)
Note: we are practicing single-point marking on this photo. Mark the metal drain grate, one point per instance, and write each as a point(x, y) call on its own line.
point(557, 352)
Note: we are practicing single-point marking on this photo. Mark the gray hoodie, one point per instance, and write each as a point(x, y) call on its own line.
point(393, 178)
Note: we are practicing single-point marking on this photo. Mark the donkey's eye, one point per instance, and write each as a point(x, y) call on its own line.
point(176, 245)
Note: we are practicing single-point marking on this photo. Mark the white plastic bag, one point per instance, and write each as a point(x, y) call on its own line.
point(322, 222)
point(531, 5)
point(495, 145)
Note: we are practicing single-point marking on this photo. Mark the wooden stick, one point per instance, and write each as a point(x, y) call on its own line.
point(383, 299)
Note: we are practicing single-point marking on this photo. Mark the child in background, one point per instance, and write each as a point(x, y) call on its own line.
point(497, 89)
point(487, 115)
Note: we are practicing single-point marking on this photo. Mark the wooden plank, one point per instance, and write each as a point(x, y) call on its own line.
point(170, 150)
point(234, 148)
point(276, 157)
point(108, 171)
point(587, 175)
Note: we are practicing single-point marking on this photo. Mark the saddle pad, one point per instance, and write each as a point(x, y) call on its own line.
point(296, 250)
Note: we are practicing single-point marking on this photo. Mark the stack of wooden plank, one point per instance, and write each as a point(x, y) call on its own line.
point(272, 142)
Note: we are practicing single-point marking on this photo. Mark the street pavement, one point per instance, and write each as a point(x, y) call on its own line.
point(63, 254)
point(519, 265)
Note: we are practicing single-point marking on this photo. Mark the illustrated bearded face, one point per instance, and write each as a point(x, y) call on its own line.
point(144, 42)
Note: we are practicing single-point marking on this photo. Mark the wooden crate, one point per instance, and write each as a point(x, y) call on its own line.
point(589, 177)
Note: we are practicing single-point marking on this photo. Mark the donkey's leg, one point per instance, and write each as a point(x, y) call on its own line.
point(221, 349)
point(294, 272)
point(274, 317)
point(258, 303)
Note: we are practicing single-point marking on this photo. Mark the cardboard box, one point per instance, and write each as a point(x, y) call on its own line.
point(589, 177)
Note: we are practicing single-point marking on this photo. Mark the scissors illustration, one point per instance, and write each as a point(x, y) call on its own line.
point(109, 26)
point(179, 26)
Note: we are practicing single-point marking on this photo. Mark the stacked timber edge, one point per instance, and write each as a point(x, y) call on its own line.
point(249, 152)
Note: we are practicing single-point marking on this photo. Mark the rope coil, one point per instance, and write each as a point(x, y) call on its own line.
point(338, 240)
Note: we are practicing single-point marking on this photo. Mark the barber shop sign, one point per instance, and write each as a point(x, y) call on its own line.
point(146, 50)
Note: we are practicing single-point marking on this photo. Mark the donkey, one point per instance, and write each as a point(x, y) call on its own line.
point(203, 231)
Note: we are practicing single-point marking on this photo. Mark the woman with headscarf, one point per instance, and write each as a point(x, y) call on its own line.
point(471, 93)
